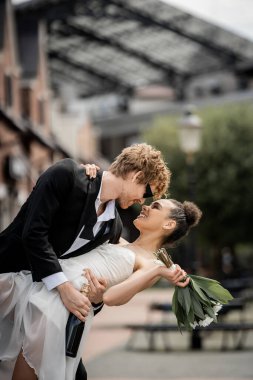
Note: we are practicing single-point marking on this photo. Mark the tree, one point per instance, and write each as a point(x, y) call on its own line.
point(225, 175)
point(223, 170)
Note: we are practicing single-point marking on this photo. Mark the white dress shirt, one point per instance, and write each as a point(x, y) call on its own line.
point(59, 278)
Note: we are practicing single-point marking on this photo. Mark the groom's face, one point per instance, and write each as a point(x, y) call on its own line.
point(132, 192)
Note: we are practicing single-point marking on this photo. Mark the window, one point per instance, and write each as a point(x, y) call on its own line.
point(25, 103)
point(41, 110)
point(8, 90)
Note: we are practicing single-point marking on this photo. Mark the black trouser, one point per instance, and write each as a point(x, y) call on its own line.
point(81, 373)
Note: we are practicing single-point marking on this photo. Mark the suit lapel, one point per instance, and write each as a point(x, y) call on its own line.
point(89, 216)
point(99, 239)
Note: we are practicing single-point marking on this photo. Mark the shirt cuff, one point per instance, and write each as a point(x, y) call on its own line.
point(97, 306)
point(54, 280)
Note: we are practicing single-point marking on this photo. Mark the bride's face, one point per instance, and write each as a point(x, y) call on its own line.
point(156, 216)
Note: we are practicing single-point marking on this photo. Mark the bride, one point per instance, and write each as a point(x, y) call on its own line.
point(33, 320)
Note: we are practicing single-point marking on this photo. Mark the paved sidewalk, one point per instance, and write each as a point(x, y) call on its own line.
point(106, 356)
point(101, 340)
point(119, 364)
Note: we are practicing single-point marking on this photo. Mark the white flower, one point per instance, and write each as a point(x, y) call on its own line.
point(206, 322)
point(216, 308)
point(193, 325)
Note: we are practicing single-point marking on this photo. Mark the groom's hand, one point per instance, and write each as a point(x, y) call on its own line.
point(98, 286)
point(74, 301)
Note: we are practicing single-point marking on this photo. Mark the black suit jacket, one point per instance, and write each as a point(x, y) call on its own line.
point(62, 201)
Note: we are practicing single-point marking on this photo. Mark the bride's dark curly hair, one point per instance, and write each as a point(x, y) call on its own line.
point(186, 216)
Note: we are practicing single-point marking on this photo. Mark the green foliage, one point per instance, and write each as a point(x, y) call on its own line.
point(223, 171)
point(225, 175)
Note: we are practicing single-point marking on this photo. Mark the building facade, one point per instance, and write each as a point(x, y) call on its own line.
point(26, 144)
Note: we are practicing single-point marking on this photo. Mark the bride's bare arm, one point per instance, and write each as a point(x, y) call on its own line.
point(141, 279)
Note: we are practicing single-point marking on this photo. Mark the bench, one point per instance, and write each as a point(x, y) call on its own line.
point(237, 304)
point(151, 331)
point(238, 286)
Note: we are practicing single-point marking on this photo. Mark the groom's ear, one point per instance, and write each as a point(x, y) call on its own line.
point(136, 175)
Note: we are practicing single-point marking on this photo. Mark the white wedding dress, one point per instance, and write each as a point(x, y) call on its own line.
point(35, 319)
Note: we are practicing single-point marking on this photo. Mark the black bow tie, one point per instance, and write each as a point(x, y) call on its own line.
point(87, 232)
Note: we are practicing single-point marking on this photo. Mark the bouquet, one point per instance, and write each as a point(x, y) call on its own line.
point(198, 303)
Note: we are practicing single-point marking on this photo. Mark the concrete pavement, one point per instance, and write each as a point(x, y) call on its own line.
point(119, 364)
point(106, 356)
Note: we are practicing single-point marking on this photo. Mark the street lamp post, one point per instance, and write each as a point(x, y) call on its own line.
point(190, 131)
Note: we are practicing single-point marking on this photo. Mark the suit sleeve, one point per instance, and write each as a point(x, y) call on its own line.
point(48, 195)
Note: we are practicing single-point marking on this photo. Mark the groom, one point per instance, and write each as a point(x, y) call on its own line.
point(68, 214)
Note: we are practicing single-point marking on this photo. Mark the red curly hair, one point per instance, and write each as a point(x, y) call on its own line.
point(148, 160)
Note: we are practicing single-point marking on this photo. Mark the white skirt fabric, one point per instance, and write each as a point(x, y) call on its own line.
point(34, 319)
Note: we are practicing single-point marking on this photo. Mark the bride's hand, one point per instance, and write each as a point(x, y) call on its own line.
point(91, 169)
point(177, 276)
point(97, 285)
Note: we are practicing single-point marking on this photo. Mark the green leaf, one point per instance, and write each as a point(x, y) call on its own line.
point(191, 317)
point(181, 317)
point(180, 297)
point(219, 293)
point(203, 279)
point(200, 293)
point(209, 311)
point(175, 301)
point(196, 305)
point(211, 296)
point(186, 299)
